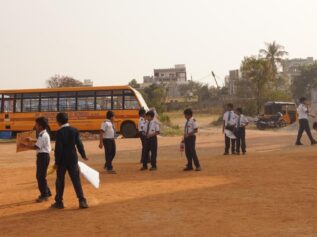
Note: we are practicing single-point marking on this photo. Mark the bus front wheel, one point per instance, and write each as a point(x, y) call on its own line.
point(128, 130)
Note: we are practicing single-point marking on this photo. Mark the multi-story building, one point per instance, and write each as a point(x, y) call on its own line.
point(232, 80)
point(291, 67)
point(168, 75)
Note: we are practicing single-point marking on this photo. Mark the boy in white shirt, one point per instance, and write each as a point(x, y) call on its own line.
point(141, 131)
point(303, 114)
point(241, 123)
point(107, 140)
point(43, 149)
point(189, 139)
point(151, 130)
point(229, 121)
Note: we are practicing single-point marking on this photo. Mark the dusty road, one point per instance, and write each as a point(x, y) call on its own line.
point(270, 192)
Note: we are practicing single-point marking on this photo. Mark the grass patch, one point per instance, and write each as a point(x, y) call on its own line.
point(7, 140)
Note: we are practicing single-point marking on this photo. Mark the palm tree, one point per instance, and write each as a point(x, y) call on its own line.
point(274, 53)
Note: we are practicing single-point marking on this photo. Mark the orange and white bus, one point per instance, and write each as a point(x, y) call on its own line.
point(86, 107)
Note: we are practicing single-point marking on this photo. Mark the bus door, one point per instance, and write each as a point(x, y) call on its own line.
point(8, 108)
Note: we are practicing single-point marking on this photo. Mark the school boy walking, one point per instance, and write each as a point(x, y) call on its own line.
point(229, 121)
point(66, 159)
point(189, 140)
point(303, 114)
point(151, 130)
point(107, 140)
point(241, 123)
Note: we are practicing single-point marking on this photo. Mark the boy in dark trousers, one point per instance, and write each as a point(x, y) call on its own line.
point(66, 159)
point(189, 139)
point(241, 123)
point(107, 140)
point(43, 149)
point(151, 130)
point(229, 121)
point(141, 125)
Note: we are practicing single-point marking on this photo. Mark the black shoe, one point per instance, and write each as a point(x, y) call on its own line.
point(143, 168)
point(188, 169)
point(226, 153)
point(153, 169)
point(83, 204)
point(198, 169)
point(58, 205)
point(42, 199)
point(314, 142)
point(298, 144)
point(243, 153)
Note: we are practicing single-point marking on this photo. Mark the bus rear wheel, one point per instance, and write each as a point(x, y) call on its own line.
point(128, 130)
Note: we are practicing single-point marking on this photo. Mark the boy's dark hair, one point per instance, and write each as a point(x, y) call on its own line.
point(150, 113)
point(230, 106)
point(302, 99)
point(239, 110)
point(43, 122)
point(110, 114)
point(315, 125)
point(62, 118)
point(188, 112)
point(142, 112)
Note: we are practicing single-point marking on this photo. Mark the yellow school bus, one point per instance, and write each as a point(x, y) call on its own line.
point(85, 106)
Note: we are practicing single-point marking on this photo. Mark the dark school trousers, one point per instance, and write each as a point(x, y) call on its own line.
point(240, 134)
point(227, 144)
point(190, 151)
point(42, 162)
point(73, 171)
point(143, 142)
point(110, 152)
point(304, 126)
point(150, 146)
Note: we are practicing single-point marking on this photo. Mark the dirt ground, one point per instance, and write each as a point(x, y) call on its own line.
point(270, 192)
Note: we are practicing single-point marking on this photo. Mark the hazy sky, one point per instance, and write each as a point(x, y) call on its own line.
point(114, 41)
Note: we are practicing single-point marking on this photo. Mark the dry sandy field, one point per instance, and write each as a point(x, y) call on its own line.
point(270, 192)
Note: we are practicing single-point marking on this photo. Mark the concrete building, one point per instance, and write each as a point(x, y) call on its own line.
point(291, 67)
point(231, 81)
point(88, 83)
point(168, 75)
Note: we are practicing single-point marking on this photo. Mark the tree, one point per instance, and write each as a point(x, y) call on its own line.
point(63, 81)
point(274, 53)
point(255, 72)
point(305, 81)
point(155, 96)
point(133, 83)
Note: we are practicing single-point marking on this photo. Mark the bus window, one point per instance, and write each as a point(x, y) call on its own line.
point(86, 100)
point(117, 102)
point(30, 102)
point(18, 103)
point(8, 103)
point(130, 102)
point(103, 100)
point(67, 101)
point(49, 102)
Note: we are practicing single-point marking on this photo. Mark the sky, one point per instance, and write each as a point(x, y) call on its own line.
point(113, 41)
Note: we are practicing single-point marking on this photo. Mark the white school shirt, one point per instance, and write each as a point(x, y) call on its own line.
point(190, 126)
point(151, 127)
point(230, 118)
point(242, 120)
point(108, 129)
point(302, 111)
point(141, 124)
point(43, 143)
